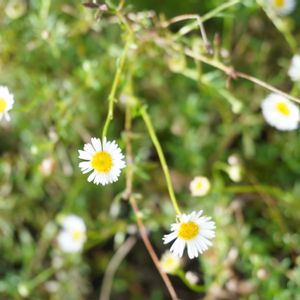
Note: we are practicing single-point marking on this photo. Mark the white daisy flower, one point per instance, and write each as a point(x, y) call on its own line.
point(170, 263)
point(280, 113)
point(72, 236)
point(192, 231)
point(6, 102)
point(282, 7)
point(199, 186)
point(105, 160)
point(294, 70)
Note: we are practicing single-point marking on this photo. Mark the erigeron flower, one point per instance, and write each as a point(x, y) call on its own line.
point(280, 113)
point(199, 186)
point(72, 236)
point(6, 102)
point(282, 7)
point(191, 230)
point(294, 70)
point(170, 263)
point(105, 160)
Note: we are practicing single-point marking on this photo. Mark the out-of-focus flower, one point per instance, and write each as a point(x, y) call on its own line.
point(262, 274)
point(16, 8)
point(170, 263)
point(47, 166)
point(235, 169)
point(177, 63)
point(72, 236)
point(6, 102)
point(105, 160)
point(235, 173)
point(280, 113)
point(294, 70)
point(282, 7)
point(193, 231)
point(191, 277)
point(199, 186)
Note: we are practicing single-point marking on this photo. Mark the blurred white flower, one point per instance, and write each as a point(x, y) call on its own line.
point(280, 113)
point(170, 263)
point(16, 8)
point(47, 166)
point(192, 231)
point(191, 277)
point(282, 7)
point(294, 70)
point(105, 160)
point(199, 186)
point(6, 102)
point(72, 236)
point(235, 173)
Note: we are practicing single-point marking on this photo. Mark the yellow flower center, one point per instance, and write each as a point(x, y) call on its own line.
point(199, 185)
point(102, 162)
point(188, 231)
point(2, 105)
point(283, 108)
point(279, 3)
point(77, 235)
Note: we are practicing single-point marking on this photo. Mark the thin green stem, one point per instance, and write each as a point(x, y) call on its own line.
point(281, 26)
point(161, 156)
point(42, 277)
point(209, 15)
point(112, 94)
point(252, 189)
point(219, 9)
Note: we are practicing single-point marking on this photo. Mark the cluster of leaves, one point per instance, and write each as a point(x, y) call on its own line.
point(60, 62)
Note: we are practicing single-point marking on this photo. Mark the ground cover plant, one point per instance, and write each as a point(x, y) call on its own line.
point(149, 149)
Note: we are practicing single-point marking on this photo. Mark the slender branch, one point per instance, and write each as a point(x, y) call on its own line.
point(199, 23)
point(128, 194)
point(129, 159)
point(150, 249)
point(113, 265)
point(235, 74)
point(161, 156)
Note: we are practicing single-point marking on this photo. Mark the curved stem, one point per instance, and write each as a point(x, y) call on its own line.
point(193, 287)
point(128, 196)
point(211, 14)
point(112, 94)
point(280, 26)
point(161, 156)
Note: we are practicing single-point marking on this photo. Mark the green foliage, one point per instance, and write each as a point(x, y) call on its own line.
point(60, 62)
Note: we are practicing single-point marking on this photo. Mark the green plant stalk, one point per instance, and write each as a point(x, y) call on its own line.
point(112, 94)
point(161, 156)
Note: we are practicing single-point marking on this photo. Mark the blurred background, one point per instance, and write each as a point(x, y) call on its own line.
point(59, 62)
